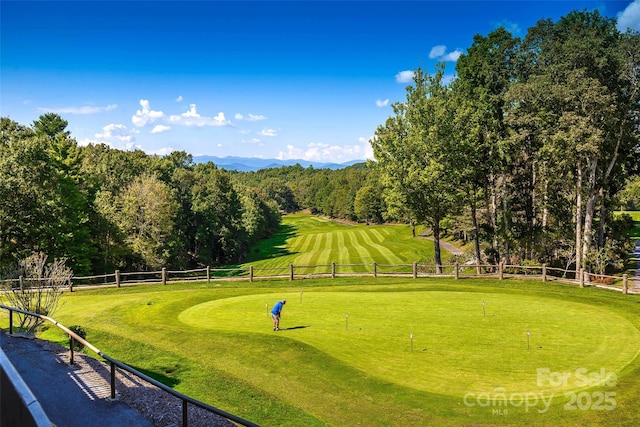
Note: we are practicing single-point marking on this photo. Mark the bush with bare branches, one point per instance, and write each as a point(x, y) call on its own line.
point(39, 288)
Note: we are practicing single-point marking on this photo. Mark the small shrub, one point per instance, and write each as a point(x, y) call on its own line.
point(78, 330)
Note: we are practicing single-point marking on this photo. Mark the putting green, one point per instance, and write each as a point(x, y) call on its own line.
point(423, 340)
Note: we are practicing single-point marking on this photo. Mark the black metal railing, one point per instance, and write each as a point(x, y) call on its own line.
point(186, 400)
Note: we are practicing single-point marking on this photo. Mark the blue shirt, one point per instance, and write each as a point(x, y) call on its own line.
point(277, 308)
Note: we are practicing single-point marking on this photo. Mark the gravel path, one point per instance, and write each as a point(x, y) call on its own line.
point(92, 377)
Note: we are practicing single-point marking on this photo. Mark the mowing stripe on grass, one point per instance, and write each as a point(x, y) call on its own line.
point(382, 254)
point(319, 241)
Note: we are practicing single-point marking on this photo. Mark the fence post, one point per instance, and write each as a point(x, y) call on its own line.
point(10, 322)
point(164, 275)
point(71, 340)
point(70, 285)
point(375, 269)
point(625, 284)
point(500, 270)
point(208, 274)
point(582, 277)
point(544, 272)
point(21, 281)
point(113, 380)
point(290, 271)
point(185, 413)
point(333, 270)
point(455, 271)
point(415, 270)
point(251, 273)
point(117, 278)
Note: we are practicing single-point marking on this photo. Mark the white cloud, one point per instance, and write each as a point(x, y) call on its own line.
point(440, 52)
point(629, 17)
point(452, 56)
point(162, 151)
point(368, 149)
point(160, 129)
point(127, 146)
point(437, 51)
point(86, 109)
point(382, 103)
point(116, 132)
point(320, 152)
point(404, 76)
point(193, 118)
point(268, 132)
point(256, 117)
point(179, 99)
point(146, 115)
point(448, 78)
point(510, 26)
point(250, 117)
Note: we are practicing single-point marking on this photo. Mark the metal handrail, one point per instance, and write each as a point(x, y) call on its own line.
point(114, 362)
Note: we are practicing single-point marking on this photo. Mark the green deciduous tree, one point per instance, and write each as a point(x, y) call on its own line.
point(415, 150)
point(42, 204)
point(145, 212)
point(368, 204)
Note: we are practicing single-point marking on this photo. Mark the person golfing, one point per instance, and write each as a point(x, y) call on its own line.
point(276, 312)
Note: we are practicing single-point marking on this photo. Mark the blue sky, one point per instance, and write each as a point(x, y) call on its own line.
point(288, 80)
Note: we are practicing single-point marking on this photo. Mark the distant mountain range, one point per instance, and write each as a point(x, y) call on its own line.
point(251, 164)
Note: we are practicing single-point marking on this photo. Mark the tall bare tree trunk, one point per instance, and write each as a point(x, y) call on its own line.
point(494, 214)
point(474, 221)
point(578, 219)
point(507, 224)
point(589, 209)
point(436, 245)
point(603, 218)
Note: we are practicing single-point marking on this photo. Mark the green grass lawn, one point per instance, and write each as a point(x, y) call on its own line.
point(375, 351)
point(307, 240)
point(633, 214)
point(635, 232)
point(215, 343)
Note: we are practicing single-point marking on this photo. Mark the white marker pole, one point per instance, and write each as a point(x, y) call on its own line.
point(346, 320)
point(528, 335)
point(484, 312)
point(411, 338)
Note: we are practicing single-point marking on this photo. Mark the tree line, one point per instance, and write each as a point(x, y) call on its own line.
point(525, 153)
point(103, 209)
point(532, 141)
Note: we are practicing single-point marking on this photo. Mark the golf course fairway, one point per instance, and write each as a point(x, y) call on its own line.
point(422, 340)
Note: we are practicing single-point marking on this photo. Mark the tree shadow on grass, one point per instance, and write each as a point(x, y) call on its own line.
point(272, 247)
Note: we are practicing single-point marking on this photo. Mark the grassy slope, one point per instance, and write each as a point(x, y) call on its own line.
point(287, 379)
point(311, 240)
point(304, 377)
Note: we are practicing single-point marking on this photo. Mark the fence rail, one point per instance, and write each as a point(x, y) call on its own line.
point(114, 363)
point(333, 270)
